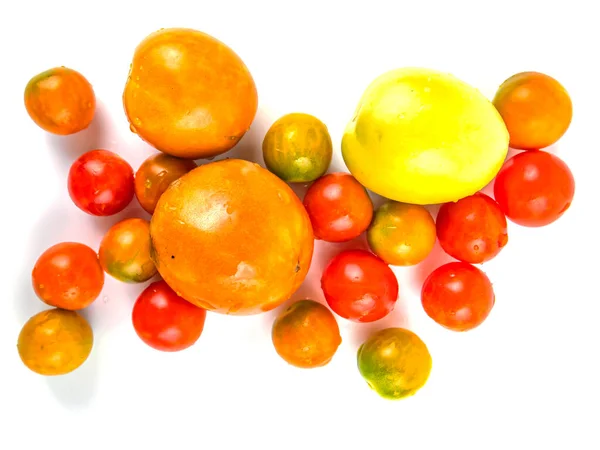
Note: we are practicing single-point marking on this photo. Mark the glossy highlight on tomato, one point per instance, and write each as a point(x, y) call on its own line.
point(473, 229)
point(359, 286)
point(534, 189)
point(60, 101)
point(101, 183)
point(306, 334)
point(125, 251)
point(68, 275)
point(165, 321)
point(339, 207)
point(154, 176)
point(458, 296)
point(394, 362)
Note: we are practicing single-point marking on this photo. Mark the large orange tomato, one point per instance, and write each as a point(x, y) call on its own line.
point(188, 94)
point(231, 237)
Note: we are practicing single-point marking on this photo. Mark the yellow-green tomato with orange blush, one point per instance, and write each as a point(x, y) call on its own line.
point(125, 251)
point(297, 148)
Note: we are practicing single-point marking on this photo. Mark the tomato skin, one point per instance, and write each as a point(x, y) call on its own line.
point(472, 230)
point(339, 207)
point(534, 189)
point(165, 321)
point(536, 109)
point(359, 286)
point(457, 296)
point(101, 183)
point(68, 275)
point(154, 176)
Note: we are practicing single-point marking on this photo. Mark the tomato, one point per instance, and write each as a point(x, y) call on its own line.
point(165, 321)
point(472, 230)
point(458, 296)
point(60, 101)
point(359, 286)
point(534, 189)
point(394, 362)
point(339, 207)
point(297, 148)
point(55, 342)
point(125, 251)
point(536, 109)
point(156, 174)
point(68, 275)
point(401, 234)
point(306, 334)
point(101, 183)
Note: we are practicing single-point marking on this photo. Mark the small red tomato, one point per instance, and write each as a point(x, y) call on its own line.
point(472, 229)
point(339, 207)
point(68, 275)
point(101, 183)
point(164, 320)
point(534, 189)
point(458, 296)
point(359, 286)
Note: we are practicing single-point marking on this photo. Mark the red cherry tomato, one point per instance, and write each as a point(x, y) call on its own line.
point(101, 183)
point(473, 229)
point(458, 296)
point(68, 275)
point(165, 321)
point(534, 188)
point(359, 286)
point(339, 207)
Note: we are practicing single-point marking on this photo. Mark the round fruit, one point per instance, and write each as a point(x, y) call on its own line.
point(125, 251)
point(101, 183)
point(394, 362)
point(60, 101)
point(473, 229)
point(55, 342)
point(536, 108)
point(188, 94)
point(359, 286)
point(231, 237)
point(297, 148)
point(423, 137)
point(165, 321)
point(155, 175)
point(401, 234)
point(458, 296)
point(68, 276)
point(306, 334)
point(534, 189)
point(339, 208)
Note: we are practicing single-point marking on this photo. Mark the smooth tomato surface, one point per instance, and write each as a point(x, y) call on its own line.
point(165, 321)
point(359, 286)
point(101, 183)
point(339, 207)
point(68, 275)
point(458, 296)
point(534, 189)
point(472, 230)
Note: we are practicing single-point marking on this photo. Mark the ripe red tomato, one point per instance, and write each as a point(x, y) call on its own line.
point(101, 183)
point(68, 276)
point(472, 229)
point(534, 188)
point(164, 320)
point(359, 286)
point(458, 296)
point(339, 207)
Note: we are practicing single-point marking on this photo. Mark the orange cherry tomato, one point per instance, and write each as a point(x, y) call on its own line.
point(536, 109)
point(68, 276)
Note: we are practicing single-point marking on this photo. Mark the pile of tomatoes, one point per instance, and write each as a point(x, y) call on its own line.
point(533, 188)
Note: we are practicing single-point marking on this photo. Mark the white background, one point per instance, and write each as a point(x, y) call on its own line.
point(526, 379)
